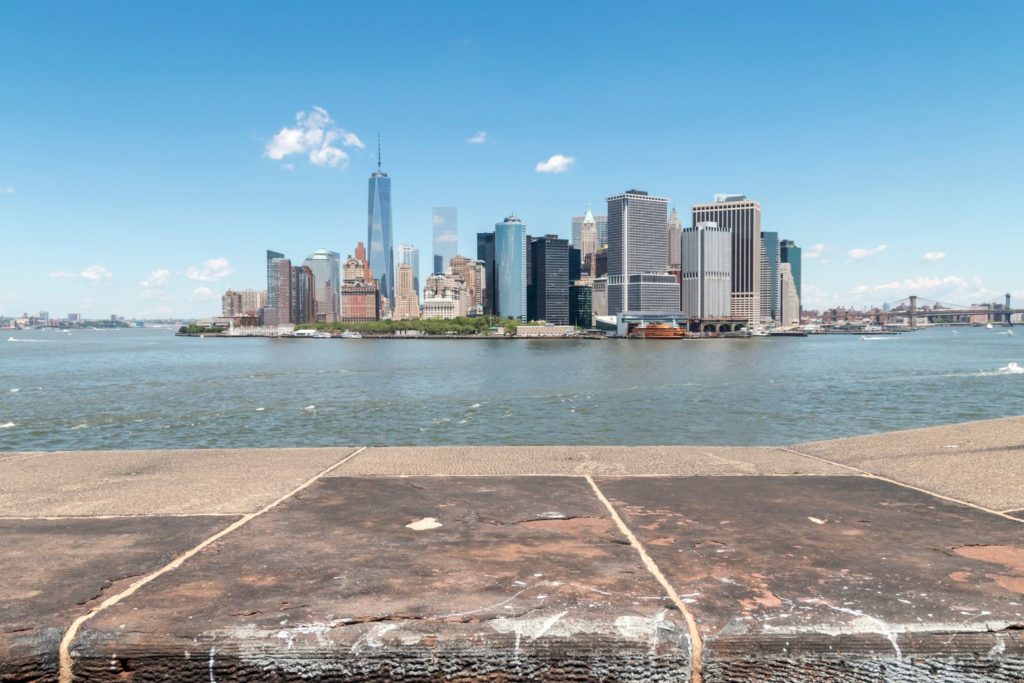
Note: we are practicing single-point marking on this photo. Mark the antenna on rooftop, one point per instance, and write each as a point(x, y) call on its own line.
point(378, 152)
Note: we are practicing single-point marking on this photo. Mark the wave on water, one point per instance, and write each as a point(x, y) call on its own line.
point(14, 390)
point(7, 425)
point(29, 341)
point(1010, 369)
point(882, 338)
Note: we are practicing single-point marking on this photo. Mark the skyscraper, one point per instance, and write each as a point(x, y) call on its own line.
point(579, 230)
point(378, 231)
point(446, 236)
point(510, 268)
point(407, 300)
point(789, 310)
point(360, 294)
point(706, 271)
point(278, 310)
point(675, 229)
point(790, 253)
point(303, 299)
point(411, 255)
point(743, 217)
point(770, 276)
point(326, 268)
point(638, 254)
point(485, 254)
point(550, 280)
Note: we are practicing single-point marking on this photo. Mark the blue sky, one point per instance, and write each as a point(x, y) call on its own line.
point(886, 138)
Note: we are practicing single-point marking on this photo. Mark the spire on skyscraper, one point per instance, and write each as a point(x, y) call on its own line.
point(378, 152)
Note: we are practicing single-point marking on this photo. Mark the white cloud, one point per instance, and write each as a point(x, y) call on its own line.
point(202, 294)
point(288, 167)
point(934, 256)
point(158, 278)
point(7, 190)
point(861, 253)
point(559, 163)
point(313, 135)
point(96, 274)
point(447, 237)
point(62, 275)
point(214, 269)
point(478, 138)
point(815, 252)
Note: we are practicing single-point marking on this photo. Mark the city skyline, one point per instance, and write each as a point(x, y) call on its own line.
point(875, 172)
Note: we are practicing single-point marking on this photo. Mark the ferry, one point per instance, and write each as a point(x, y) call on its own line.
point(351, 335)
point(657, 331)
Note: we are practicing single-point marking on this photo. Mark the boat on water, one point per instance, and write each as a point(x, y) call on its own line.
point(657, 331)
point(350, 335)
point(877, 338)
point(988, 326)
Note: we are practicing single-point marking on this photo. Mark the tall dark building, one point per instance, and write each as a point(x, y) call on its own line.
point(581, 306)
point(485, 253)
point(575, 263)
point(303, 295)
point(548, 295)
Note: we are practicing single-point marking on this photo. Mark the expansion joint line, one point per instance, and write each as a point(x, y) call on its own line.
point(696, 642)
point(871, 475)
point(67, 662)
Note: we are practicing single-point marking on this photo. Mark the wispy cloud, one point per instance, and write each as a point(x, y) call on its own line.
point(158, 278)
point(315, 136)
point(96, 274)
point(62, 275)
point(559, 163)
point(7, 190)
point(202, 294)
point(478, 138)
point(213, 269)
point(862, 253)
point(815, 252)
point(950, 288)
point(934, 256)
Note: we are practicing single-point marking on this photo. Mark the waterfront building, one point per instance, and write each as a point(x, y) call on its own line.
point(360, 292)
point(638, 254)
point(407, 253)
point(471, 273)
point(789, 311)
point(549, 285)
point(544, 330)
point(407, 299)
point(770, 277)
point(485, 255)
point(74, 317)
point(675, 232)
point(326, 268)
point(599, 297)
point(278, 310)
point(445, 297)
point(790, 253)
point(381, 258)
point(581, 302)
point(230, 304)
point(706, 271)
point(303, 299)
point(510, 255)
point(252, 301)
point(743, 217)
point(446, 236)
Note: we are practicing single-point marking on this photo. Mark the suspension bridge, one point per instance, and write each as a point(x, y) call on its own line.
point(917, 308)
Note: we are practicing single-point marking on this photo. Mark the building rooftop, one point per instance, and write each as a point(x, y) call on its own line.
point(895, 556)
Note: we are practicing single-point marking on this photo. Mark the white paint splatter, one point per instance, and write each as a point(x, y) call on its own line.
point(424, 524)
point(816, 520)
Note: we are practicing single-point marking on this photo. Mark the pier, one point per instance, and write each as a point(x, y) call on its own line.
point(896, 556)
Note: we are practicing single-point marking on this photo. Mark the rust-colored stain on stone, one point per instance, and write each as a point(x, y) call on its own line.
point(1010, 557)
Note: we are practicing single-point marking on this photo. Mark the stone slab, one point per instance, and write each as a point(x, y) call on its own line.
point(978, 462)
point(226, 481)
point(835, 578)
point(52, 571)
point(495, 579)
point(610, 460)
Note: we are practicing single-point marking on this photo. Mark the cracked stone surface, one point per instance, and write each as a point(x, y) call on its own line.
point(51, 571)
point(835, 577)
point(522, 577)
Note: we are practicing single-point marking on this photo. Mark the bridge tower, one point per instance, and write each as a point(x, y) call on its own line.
point(1009, 314)
point(913, 310)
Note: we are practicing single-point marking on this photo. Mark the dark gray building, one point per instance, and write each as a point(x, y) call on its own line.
point(638, 254)
point(581, 303)
point(770, 303)
point(790, 253)
point(485, 253)
point(549, 284)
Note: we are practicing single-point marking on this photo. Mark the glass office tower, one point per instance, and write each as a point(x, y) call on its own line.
point(510, 268)
point(446, 236)
point(379, 234)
